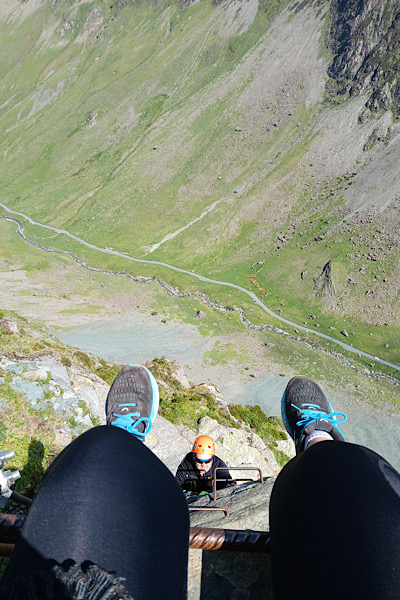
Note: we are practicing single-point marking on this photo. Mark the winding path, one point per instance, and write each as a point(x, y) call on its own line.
point(253, 296)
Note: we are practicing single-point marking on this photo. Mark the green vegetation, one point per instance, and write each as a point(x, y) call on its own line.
point(183, 406)
point(265, 427)
point(270, 429)
point(158, 122)
point(223, 353)
point(187, 407)
point(163, 136)
point(106, 371)
point(32, 455)
point(87, 309)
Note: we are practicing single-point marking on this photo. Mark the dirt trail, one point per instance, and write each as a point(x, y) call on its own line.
point(174, 292)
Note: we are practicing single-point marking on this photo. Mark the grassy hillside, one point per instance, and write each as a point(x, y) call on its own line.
point(199, 134)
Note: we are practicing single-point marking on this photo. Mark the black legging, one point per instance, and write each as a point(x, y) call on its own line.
point(109, 500)
point(335, 526)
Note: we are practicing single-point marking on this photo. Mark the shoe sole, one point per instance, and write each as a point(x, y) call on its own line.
point(154, 390)
point(283, 402)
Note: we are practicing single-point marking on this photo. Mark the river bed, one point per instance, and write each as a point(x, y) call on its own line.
point(127, 340)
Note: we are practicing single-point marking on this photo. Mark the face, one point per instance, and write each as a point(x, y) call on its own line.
point(202, 466)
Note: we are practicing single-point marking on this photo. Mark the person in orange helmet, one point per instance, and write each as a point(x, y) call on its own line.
point(196, 470)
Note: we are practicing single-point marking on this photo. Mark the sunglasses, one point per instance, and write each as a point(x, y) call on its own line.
point(200, 460)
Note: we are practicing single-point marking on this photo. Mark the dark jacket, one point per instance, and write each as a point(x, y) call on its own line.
point(190, 479)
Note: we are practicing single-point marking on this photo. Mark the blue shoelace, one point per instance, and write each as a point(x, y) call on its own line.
point(129, 424)
point(311, 414)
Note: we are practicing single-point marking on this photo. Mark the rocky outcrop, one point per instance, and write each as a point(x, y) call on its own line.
point(323, 284)
point(71, 399)
point(8, 325)
point(237, 447)
point(365, 38)
point(225, 574)
point(186, 3)
point(76, 398)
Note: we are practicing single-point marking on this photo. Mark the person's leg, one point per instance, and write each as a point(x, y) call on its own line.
point(334, 510)
point(109, 500)
point(335, 525)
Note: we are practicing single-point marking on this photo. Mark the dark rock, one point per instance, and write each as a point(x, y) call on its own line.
point(232, 574)
point(364, 38)
point(323, 284)
point(186, 3)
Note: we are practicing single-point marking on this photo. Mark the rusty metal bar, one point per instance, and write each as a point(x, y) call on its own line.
point(6, 549)
point(10, 526)
point(234, 540)
point(201, 538)
point(214, 479)
point(194, 508)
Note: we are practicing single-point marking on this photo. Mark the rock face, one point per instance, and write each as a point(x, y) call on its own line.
point(237, 447)
point(224, 574)
point(365, 37)
point(76, 395)
point(323, 284)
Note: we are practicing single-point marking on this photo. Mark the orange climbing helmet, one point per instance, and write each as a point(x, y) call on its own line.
point(204, 445)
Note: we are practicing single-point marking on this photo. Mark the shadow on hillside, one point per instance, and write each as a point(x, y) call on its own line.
point(32, 472)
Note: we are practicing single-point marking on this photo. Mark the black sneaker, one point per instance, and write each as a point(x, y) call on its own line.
point(304, 409)
point(132, 402)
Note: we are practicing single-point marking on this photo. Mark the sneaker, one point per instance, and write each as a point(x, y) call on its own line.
point(304, 409)
point(132, 402)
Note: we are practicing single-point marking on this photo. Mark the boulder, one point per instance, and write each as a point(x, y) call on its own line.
point(200, 314)
point(178, 375)
point(240, 448)
point(8, 325)
point(168, 443)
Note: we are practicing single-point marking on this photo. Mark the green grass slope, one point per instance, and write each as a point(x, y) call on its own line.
point(197, 134)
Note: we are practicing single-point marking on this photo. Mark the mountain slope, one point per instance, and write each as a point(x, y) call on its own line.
point(200, 134)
